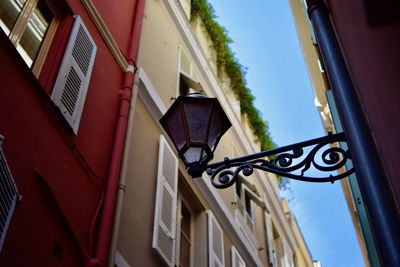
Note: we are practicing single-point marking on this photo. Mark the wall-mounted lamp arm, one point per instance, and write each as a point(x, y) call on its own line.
point(289, 161)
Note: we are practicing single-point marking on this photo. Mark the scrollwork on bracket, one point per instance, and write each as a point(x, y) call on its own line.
point(287, 161)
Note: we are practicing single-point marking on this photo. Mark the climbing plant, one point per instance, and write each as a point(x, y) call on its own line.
point(229, 64)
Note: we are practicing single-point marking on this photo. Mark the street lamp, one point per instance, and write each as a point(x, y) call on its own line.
point(195, 124)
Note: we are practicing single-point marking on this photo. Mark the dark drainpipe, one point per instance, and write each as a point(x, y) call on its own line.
point(375, 189)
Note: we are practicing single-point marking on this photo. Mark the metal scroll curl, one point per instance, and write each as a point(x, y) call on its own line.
point(290, 162)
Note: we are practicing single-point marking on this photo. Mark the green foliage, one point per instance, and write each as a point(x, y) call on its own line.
point(226, 62)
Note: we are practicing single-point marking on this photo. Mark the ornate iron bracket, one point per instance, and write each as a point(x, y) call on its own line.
point(287, 160)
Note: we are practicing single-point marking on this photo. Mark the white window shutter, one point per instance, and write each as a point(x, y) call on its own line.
point(287, 254)
point(8, 196)
point(185, 65)
point(164, 231)
point(186, 6)
point(237, 260)
point(270, 240)
point(215, 242)
point(72, 82)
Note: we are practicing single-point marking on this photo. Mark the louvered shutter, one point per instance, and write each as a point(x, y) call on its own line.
point(72, 82)
point(185, 65)
point(270, 240)
point(237, 260)
point(287, 254)
point(164, 231)
point(215, 242)
point(8, 196)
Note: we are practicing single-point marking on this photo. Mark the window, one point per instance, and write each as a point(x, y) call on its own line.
point(287, 254)
point(185, 66)
point(164, 231)
point(279, 253)
point(72, 83)
point(30, 26)
point(249, 210)
point(215, 242)
point(238, 187)
point(186, 6)
point(179, 219)
point(188, 86)
point(191, 228)
point(246, 196)
point(8, 196)
point(269, 230)
point(186, 81)
point(239, 199)
point(237, 260)
point(185, 234)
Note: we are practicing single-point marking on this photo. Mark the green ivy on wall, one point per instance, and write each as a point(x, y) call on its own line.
point(226, 62)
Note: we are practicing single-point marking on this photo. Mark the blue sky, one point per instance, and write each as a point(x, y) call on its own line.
point(265, 41)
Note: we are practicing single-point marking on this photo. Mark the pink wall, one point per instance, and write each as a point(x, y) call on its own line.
point(121, 27)
point(373, 56)
point(38, 140)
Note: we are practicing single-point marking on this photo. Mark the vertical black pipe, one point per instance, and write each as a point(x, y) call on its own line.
point(374, 186)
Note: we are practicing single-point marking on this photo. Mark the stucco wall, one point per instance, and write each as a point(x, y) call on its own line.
point(136, 230)
point(159, 51)
point(40, 143)
point(162, 41)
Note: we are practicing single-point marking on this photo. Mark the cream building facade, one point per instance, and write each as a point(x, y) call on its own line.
point(166, 218)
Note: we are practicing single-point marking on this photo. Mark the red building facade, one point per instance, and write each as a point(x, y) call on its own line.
point(66, 82)
point(369, 34)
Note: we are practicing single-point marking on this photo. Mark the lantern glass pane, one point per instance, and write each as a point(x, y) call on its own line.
point(218, 126)
point(176, 130)
point(194, 154)
point(215, 130)
point(197, 116)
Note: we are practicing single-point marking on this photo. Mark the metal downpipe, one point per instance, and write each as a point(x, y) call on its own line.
point(378, 197)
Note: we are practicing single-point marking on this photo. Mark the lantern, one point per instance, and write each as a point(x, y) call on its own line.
point(195, 124)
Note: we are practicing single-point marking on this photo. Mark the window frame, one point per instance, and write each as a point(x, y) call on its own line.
point(165, 185)
point(186, 78)
point(242, 196)
point(270, 239)
point(213, 258)
point(74, 74)
point(19, 28)
point(236, 259)
point(181, 199)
